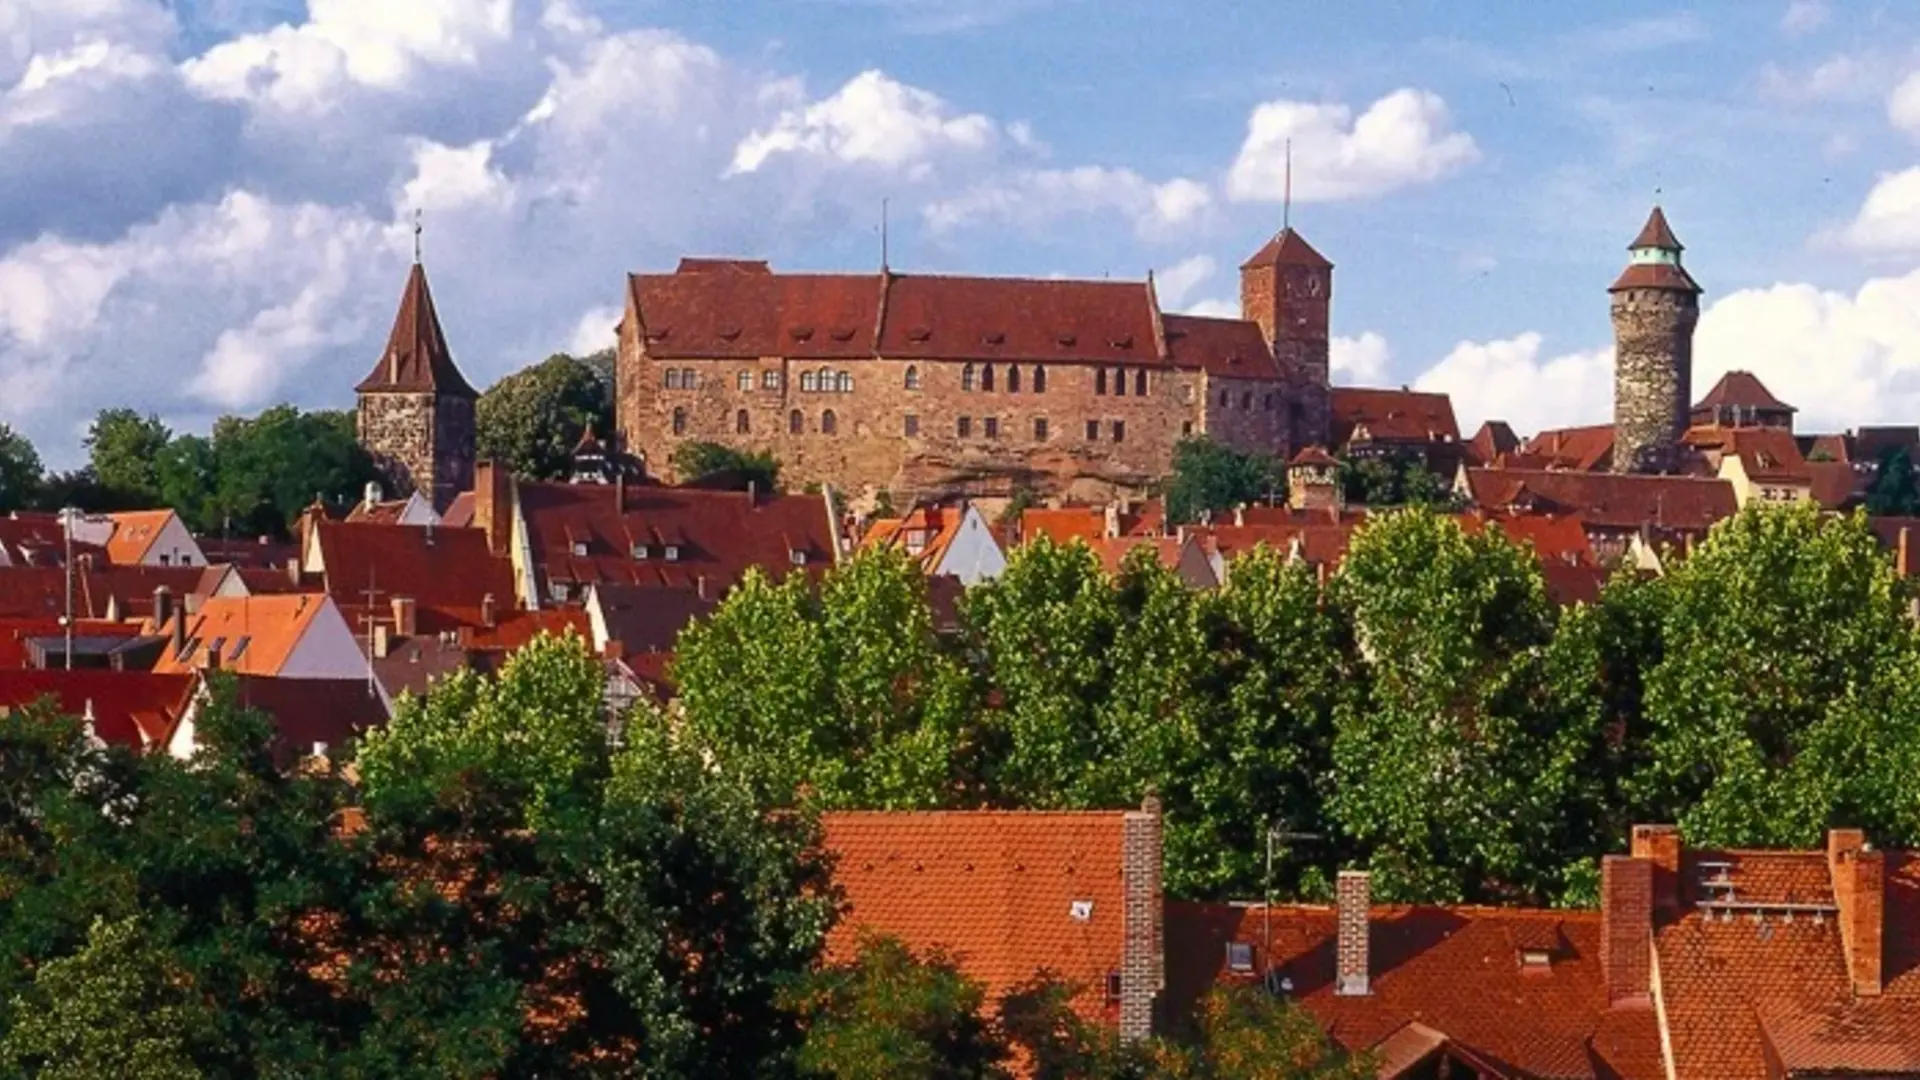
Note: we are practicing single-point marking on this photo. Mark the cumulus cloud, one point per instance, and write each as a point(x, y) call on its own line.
point(873, 119)
point(1359, 361)
point(1405, 138)
point(1889, 219)
point(1509, 379)
point(1903, 107)
point(1157, 210)
point(1804, 16)
point(1837, 78)
point(1177, 283)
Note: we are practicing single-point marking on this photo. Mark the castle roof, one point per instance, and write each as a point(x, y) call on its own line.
point(1744, 390)
point(1287, 248)
point(1668, 274)
point(1656, 233)
point(416, 359)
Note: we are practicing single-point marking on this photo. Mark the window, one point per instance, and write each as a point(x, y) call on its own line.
point(846, 382)
point(1119, 382)
point(986, 377)
point(743, 382)
point(796, 423)
point(673, 378)
point(1246, 399)
point(1268, 402)
point(1226, 400)
point(1100, 380)
point(1039, 379)
point(824, 380)
point(561, 591)
point(1119, 431)
point(965, 427)
point(1039, 429)
point(680, 421)
point(687, 379)
point(966, 377)
point(913, 378)
point(1186, 428)
point(672, 553)
point(240, 647)
point(910, 426)
point(1113, 988)
point(640, 552)
point(579, 547)
point(1013, 380)
point(1093, 431)
point(797, 557)
point(1140, 382)
point(769, 380)
point(742, 424)
point(1240, 957)
point(993, 427)
point(827, 423)
point(807, 384)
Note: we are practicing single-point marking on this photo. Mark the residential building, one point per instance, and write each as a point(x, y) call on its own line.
point(301, 636)
point(1402, 424)
point(1614, 509)
point(132, 709)
point(947, 541)
point(151, 538)
point(311, 717)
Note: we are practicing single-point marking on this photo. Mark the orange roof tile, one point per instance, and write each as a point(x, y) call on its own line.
point(448, 573)
point(256, 635)
point(130, 708)
point(1586, 449)
point(134, 532)
point(1606, 500)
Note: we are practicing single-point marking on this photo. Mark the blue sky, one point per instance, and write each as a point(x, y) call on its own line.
point(205, 204)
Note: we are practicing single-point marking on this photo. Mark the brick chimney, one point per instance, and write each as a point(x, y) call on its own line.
point(162, 606)
point(1141, 956)
point(382, 641)
point(180, 635)
point(1859, 890)
point(1353, 895)
point(405, 623)
point(1903, 554)
point(493, 504)
point(1626, 928)
point(1660, 845)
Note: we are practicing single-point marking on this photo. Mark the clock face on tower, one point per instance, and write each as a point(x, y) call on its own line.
point(1313, 283)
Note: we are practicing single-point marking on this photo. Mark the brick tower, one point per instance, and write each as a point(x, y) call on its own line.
point(1287, 288)
point(1655, 306)
point(416, 409)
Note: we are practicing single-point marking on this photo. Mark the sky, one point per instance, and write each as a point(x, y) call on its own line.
point(207, 206)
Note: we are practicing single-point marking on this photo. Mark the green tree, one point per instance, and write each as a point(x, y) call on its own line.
point(1895, 489)
point(186, 473)
point(696, 461)
point(122, 1006)
point(888, 1013)
point(1396, 481)
point(852, 700)
point(20, 470)
point(1243, 1033)
point(125, 450)
point(531, 420)
point(1465, 767)
point(271, 467)
point(1209, 477)
point(1784, 699)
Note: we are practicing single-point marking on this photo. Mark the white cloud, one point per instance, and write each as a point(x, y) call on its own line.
point(1903, 107)
point(595, 331)
point(1404, 138)
point(1509, 380)
point(1177, 282)
point(1161, 210)
point(1359, 361)
point(447, 177)
point(1889, 219)
point(1837, 78)
point(1804, 16)
point(871, 120)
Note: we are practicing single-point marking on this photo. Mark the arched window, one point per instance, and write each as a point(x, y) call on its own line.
point(1226, 399)
point(1013, 379)
point(742, 424)
point(673, 378)
point(825, 380)
point(795, 422)
point(913, 377)
point(827, 422)
point(1268, 403)
point(986, 376)
point(807, 384)
point(1099, 380)
point(1246, 399)
point(846, 382)
point(966, 377)
point(1140, 382)
point(1120, 382)
point(1039, 379)
point(680, 421)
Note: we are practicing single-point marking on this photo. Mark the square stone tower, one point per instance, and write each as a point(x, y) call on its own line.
point(1287, 289)
point(416, 414)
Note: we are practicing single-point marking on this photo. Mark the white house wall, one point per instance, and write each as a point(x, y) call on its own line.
point(974, 556)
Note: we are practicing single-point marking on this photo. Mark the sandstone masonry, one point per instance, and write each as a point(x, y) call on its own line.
point(1656, 305)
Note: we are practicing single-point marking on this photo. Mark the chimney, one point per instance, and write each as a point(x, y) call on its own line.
point(1626, 928)
point(293, 571)
point(1239, 515)
point(1142, 963)
point(1353, 895)
point(1110, 521)
point(1660, 845)
point(404, 624)
point(700, 586)
point(382, 641)
point(179, 635)
point(1903, 554)
point(210, 660)
point(162, 607)
point(1859, 891)
point(493, 504)
point(371, 496)
point(619, 490)
point(488, 617)
point(753, 493)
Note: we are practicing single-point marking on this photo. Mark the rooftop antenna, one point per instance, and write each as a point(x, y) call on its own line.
point(372, 594)
point(417, 230)
point(1276, 831)
point(1286, 196)
point(883, 233)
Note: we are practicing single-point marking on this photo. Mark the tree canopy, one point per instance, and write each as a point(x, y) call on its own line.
point(20, 470)
point(532, 419)
point(713, 462)
point(1208, 478)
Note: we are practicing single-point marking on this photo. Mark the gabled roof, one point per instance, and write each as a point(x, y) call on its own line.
point(1557, 539)
point(1743, 389)
point(416, 359)
point(38, 539)
point(448, 573)
point(1494, 439)
point(130, 708)
point(309, 711)
point(1606, 500)
point(256, 635)
point(134, 532)
point(16, 634)
point(1287, 248)
point(1585, 449)
point(1392, 416)
point(1228, 348)
point(1314, 455)
point(40, 591)
point(644, 620)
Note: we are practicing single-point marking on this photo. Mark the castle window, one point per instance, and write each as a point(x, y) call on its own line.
point(827, 423)
point(1186, 428)
point(807, 383)
point(993, 427)
point(742, 423)
point(966, 377)
point(1093, 431)
point(673, 378)
point(1099, 380)
point(965, 427)
point(1140, 382)
point(846, 382)
point(770, 380)
point(796, 423)
point(1119, 431)
point(743, 381)
point(1226, 400)
point(1269, 402)
point(910, 426)
point(1119, 382)
point(913, 378)
point(1013, 380)
point(986, 377)
point(1039, 379)
point(1313, 283)
point(680, 421)
point(1246, 399)
point(824, 381)
point(687, 379)
point(1186, 394)
point(672, 553)
point(1039, 429)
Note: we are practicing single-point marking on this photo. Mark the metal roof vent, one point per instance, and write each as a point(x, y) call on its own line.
point(1080, 911)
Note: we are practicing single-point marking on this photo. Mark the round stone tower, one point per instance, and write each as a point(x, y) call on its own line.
point(1655, 306)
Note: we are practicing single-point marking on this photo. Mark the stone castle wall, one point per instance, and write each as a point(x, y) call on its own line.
point(420, 442)
point(1653, 376)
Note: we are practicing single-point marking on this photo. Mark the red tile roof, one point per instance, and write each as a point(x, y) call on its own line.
point(459, 514)
point(130, 708)
point(1314, 455)
point(36, 592)
point(514, 629)
point(1654, 276)
point(309, 711)
point(1587, 449)
point(1317, 544)
point(28, 538)
point(1392, 416)
point(1229, 348)
point(1558, 539)
point(1494, 439)
point(256, 635)
point(1287, 248)
point(416, 358)
point(1656, 233)
point(1742, 389)
point(15, 633)
point(1455, 971)
point(644, 620)
point(447, 572)
point(717, 535)
point(998, 890)
point(134, 532)
point(1605, 500)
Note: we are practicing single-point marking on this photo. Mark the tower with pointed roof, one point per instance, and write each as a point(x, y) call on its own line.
point(1286, 288)
point(416, 411)
point(1656, 305)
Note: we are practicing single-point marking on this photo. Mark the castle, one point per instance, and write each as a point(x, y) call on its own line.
point(1656, 304)
point(416, 411)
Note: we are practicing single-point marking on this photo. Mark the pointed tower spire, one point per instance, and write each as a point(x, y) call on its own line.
point(1656, 233)
point(416, 358)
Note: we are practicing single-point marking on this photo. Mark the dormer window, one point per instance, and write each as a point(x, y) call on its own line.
point(579, 547)
point(640, 551)
point(672, 553)
point(797, 557)
point(1536, 959)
